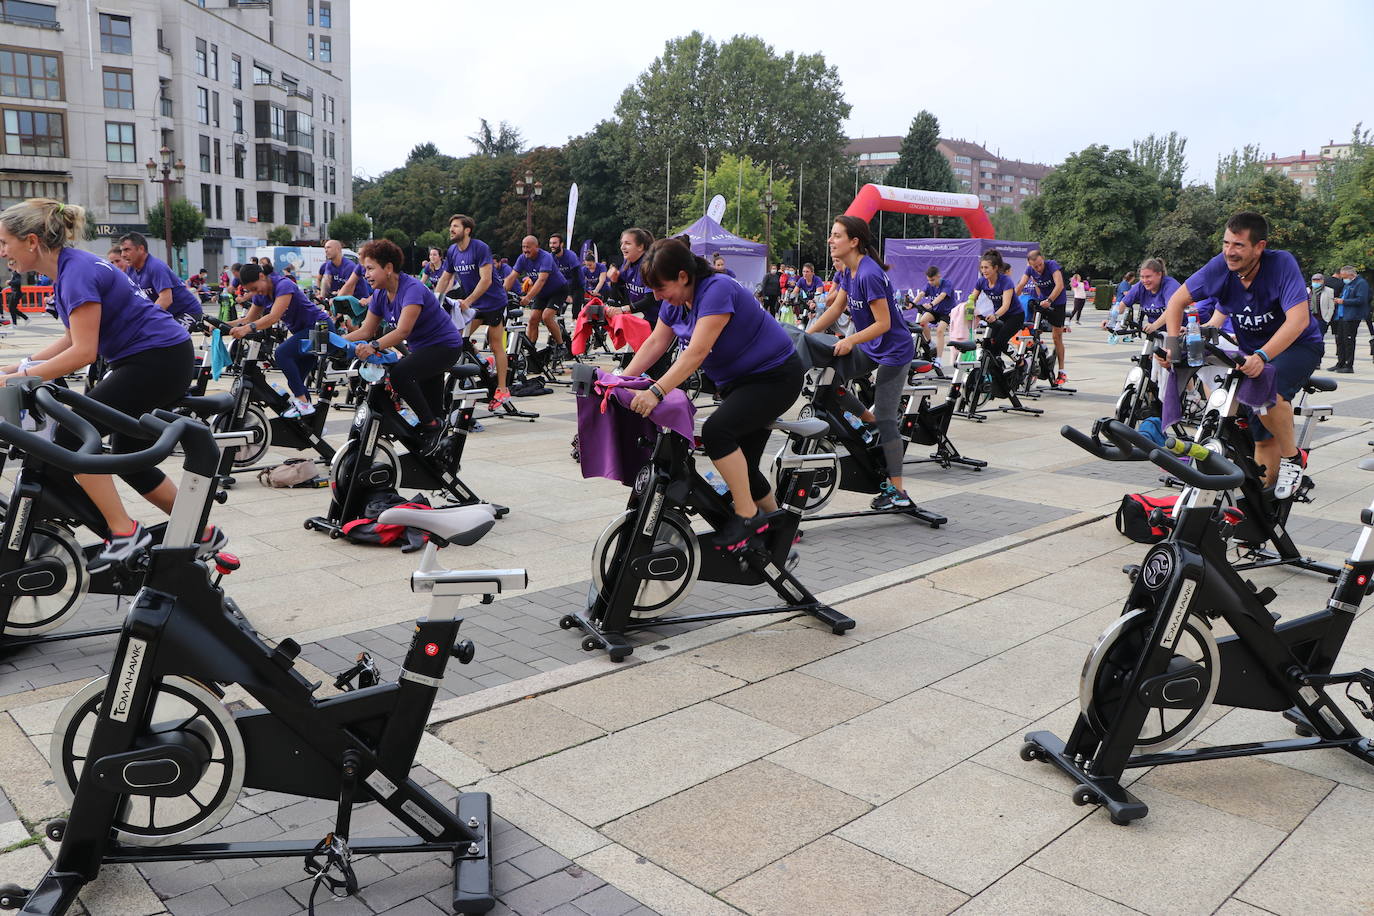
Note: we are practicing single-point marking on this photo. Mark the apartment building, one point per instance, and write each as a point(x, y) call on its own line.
point(251, 95)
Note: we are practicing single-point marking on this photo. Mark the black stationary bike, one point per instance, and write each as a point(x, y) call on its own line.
point(151, 757)
point(1033, 356)
point(1152, 676)
point(992, 379)
point(368, 461)
point(645, 563)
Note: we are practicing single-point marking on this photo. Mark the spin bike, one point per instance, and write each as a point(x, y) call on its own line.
point(1033, 358)
point(645, 563)
point(44, 571)
point(1152, 676)
point(855, 461)
point(991, 379)
point(1140, 395)
point(482, 375)
point(368, 462)
point(151, 758)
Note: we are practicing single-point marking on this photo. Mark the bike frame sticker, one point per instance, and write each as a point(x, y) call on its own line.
point(378, 783)
point(420, 817)
point(126, 679)
point(21, 522)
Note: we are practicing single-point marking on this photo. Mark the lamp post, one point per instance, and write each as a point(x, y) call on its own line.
point(769, 204)
point(167, 182)
point(936, 222)
point(528, 189)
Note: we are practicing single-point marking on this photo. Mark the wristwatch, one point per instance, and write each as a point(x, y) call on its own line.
point(252, 325)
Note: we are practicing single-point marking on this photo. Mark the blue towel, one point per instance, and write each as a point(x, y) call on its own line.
point(382, 359)
point(219, 355)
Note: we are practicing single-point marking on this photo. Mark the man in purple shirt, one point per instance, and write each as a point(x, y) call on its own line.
point(342, 277)
point(571, 269)
point(1265, 296)
point(157, 281)
point(546, 291)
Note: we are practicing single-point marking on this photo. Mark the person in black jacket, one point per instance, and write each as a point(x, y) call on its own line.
point(14, 295)
point(772, 289)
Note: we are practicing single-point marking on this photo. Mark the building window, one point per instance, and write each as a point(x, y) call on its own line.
point(236, 72)
point(202, 105)
point(123, 199)
point(310, 47)
point(310, 205)
point(261, 75)
point(205, 199)
point(202, 57)
point(31, 75)
point(214, 62)
point(21, 12)
point(309, 12)
point(219, 202)
point(240, 153)
point(963, 159)
point(326, 50)
point(116, 34)
point(165, 99)
point(204, 153)
point(214, 108)
point(333, 188)
point(986, 164)
point(966, 183)
point(291, 210)
point(238, 116)
point(119, 88)
point(326, 14)
point(217, 158)
point(1025, 190)
point(238, 204)
point(266, 207)
point(119, 142)
point(17, 191)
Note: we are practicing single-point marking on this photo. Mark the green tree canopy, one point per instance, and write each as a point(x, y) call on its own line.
point(1352, 229)
point(1093, 210)
point(280, 235)
point(398, 236)
point(743, 208)
point(432, 239)
point(1163, 158)
point(1186, 237)
point(921, 165)
point(349, 228)
point(1296, 224)
point(188, 223)
point(505, 140)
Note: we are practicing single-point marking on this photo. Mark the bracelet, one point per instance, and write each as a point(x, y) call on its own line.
point(1262, 355)
point(658, 392)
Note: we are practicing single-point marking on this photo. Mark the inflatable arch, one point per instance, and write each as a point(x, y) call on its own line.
point(874, 197)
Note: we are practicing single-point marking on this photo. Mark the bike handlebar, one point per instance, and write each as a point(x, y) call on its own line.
point(1209, 470)
point(1121, 449)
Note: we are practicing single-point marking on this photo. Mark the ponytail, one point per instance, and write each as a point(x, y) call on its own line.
point(55, 223)
point(667, 258)
point(859, 231)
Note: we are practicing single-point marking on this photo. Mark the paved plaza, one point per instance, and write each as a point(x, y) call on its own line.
point(764, 765)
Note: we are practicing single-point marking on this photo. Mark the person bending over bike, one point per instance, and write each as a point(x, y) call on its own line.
point(745, 353)
point(546, 293)
point(469, 264)
point(279, 299)
point(420, 322)
point(1006, 316)
point(880, 333)
point(1048, 279)
point(1265, 295)
point(936, 302)
point(150, 355)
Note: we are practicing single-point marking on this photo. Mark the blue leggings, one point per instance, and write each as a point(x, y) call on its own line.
point(293, 362)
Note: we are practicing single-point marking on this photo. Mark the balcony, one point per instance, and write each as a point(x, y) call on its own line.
point(11, 19)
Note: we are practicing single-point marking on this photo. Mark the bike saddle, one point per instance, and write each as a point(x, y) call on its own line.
point(209, 405)
point(465, 370)
point(807, 429)
point(921, 365)
point(461, 525)
point(1319, 383)
point(964, 346)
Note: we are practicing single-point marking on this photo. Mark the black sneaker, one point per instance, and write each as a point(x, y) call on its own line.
point(883, 500)
point(891, 498)
point(430, 438)
point(212, 543)
point(737, 532)
point(122, 548)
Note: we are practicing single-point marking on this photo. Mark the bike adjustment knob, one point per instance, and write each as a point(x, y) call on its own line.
point(464, 651)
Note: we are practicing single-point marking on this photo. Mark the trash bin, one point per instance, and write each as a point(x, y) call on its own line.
point(1102, 294)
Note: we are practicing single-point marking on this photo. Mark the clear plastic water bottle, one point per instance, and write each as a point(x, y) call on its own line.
point(864, 432)
point(1193, 339)
point(409, 416)
point(717, 482)
point(279, 389)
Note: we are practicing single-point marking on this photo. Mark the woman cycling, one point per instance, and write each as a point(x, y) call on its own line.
point(629, 276)
point(1151, 294)
point(419, 322)
point(745, 353)
point(433, 269)
point(1007, 317)
point(880, 333)
point(278, 299)
point(150, 355)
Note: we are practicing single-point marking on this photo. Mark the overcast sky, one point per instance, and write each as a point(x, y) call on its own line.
point(1034, 80)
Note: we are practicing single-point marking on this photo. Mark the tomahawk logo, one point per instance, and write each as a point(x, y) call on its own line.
point(21, 521)
point(128, 680)
point(1158, 567)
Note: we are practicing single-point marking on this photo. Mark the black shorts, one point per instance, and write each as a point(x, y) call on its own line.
point(496, 318)
point(1054, 314)
point(554, 300)
point(938, 317)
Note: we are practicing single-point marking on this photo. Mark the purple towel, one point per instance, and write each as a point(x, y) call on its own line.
point(1259, 393)
point(609, 433)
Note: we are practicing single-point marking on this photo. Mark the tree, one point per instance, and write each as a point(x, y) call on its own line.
point(188, 223)
point(422, 151)
point(1352, 229)
point(1185, 237)
point(432, 239)
point(595, 161)
point(349, 228)
point(921, 165)
point(743, 192)
point(1296, 224)
point(1008, 224)
point(1240, 165)
point(414, 198)
point(1163, 158)
point(1093, 209)
point(280, 235)
point(550, 209)
point(398, 236)
point(1334, 173)
point(504, 141)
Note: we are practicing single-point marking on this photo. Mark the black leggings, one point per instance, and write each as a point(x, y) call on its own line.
point(1078, 305)
point(419, 379)
point(136, 385)
point(746, 408)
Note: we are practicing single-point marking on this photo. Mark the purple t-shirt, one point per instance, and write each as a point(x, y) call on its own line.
point(592, 275)
point(1258, 312)
point(751, 341)
point(130, 322)
point(994, 293)
point(569, 265)
point(636, 289)
point(301, 314)
point(155, 276)
point(1044, 282)
point(341, 272)
point(542, 262)
point(864, 286)
point(431, 274)
point(933, 290)
point(466, 267)
point(809, 290)
point(433, 327)
point(1152, 304)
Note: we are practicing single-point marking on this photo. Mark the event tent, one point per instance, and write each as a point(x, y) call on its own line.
point(956, 258)
point(749, 260)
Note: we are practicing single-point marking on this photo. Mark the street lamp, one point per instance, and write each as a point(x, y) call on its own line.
point(527, 189)
point(936, 222)
point(167, 182)
point(769, 205)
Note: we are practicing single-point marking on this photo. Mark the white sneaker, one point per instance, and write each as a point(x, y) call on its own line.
point(1290, 476)
point(299, 408)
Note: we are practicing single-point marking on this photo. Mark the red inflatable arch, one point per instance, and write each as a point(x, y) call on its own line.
point(875, 197)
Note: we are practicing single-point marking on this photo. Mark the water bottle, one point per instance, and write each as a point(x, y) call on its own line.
point(1196, 350)
point(409, 416)
point(717, 482)
point(858, 424)
point(279, 389)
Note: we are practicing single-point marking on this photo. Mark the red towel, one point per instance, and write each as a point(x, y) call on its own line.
point(623, 329)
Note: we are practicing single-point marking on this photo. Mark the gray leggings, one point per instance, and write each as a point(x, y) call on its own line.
point(887, 399)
